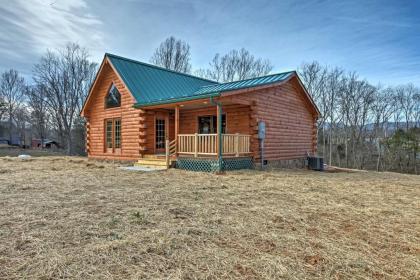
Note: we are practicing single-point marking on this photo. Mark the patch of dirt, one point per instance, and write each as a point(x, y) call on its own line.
point(313, 260)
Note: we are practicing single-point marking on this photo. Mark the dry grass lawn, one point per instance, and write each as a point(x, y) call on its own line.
point(73, 218)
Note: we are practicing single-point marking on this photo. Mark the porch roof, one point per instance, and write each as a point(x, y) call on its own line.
point(152, 85)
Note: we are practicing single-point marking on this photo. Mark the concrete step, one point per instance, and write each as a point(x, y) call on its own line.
point(153, 159)
point(150, 166)
point(156, 156)
point(153, 162)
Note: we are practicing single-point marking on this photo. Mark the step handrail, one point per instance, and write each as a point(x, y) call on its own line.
point(170, 150)
point(172, 147)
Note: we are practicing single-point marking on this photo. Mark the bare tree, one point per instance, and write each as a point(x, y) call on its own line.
point(21, 118)
point(236, 65)
point(3, 107)
point(417, 108)
point(334, 86)
point(325, 86)
point(382, 110)
point(38, 107)
point(405, 98)
point(11, 87)
point(173, 54)
point(64, 77)
point(314, 77)
point(362, 123)
point(358, 98)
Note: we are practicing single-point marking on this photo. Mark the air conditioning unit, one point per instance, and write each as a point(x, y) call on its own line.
point(316, 163)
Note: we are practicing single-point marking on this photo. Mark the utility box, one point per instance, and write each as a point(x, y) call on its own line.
point(261, 137)
point(316, 163)
point(261, 130)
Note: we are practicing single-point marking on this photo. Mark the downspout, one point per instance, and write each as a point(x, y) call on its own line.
point(219, 136)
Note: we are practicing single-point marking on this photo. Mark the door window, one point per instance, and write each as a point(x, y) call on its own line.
point(160, 134)
point(113, 133)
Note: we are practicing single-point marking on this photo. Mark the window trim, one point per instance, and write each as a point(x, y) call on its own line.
point(107, 94)
point(107, 146)
point(115, 133)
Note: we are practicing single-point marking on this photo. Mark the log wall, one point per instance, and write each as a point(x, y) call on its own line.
point(290, 121)
point(133, 129)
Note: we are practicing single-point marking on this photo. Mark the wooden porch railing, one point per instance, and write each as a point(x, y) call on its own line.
point(236, 144)
point(206, 144)
point(170, 150)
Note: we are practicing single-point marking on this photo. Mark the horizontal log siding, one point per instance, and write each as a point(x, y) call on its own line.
point(237, 119)
point(96, 113)
point(150, 128)
point(290, 121)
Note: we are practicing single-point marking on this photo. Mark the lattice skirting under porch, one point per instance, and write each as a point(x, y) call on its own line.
point(211, 164)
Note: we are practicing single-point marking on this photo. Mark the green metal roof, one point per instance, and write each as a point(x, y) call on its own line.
point(254, 82)
point(152, 85)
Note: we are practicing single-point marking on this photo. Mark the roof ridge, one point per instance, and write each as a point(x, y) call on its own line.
point(158, 67)
point(259, 77)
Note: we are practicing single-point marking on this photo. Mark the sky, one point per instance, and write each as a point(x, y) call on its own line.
point(378, 39)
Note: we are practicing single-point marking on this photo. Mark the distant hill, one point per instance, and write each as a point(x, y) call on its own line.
point(390, 126)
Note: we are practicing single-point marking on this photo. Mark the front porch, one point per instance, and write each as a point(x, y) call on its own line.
point(203, 135)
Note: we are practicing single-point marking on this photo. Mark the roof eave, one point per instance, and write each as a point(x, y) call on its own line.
point(309, 96)
point(82, 111)
point(175, 100)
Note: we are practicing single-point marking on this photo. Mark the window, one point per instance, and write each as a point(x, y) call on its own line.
point(208, 124)
point(113, 98)
point(108, 134)
point(117, 134)
point(113, 134)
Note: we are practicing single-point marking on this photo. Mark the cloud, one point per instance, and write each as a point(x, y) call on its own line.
point(377, 39)
point(30, 27)
point(378, 22)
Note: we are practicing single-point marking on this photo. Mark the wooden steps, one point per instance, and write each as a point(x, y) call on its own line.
point(152, 161)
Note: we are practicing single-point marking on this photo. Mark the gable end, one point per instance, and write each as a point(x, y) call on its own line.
point(105, 62)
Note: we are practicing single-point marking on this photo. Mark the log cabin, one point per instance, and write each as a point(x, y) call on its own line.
point(140, 112)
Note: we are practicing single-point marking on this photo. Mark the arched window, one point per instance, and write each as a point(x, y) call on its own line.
point(113, 98)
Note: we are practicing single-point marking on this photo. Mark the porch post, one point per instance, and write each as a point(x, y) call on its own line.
point(176, 129)
point(219, 137)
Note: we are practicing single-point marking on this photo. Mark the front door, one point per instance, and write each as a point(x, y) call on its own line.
point(161, 132)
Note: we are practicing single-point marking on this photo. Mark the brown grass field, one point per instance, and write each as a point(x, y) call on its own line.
point(72, 218)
